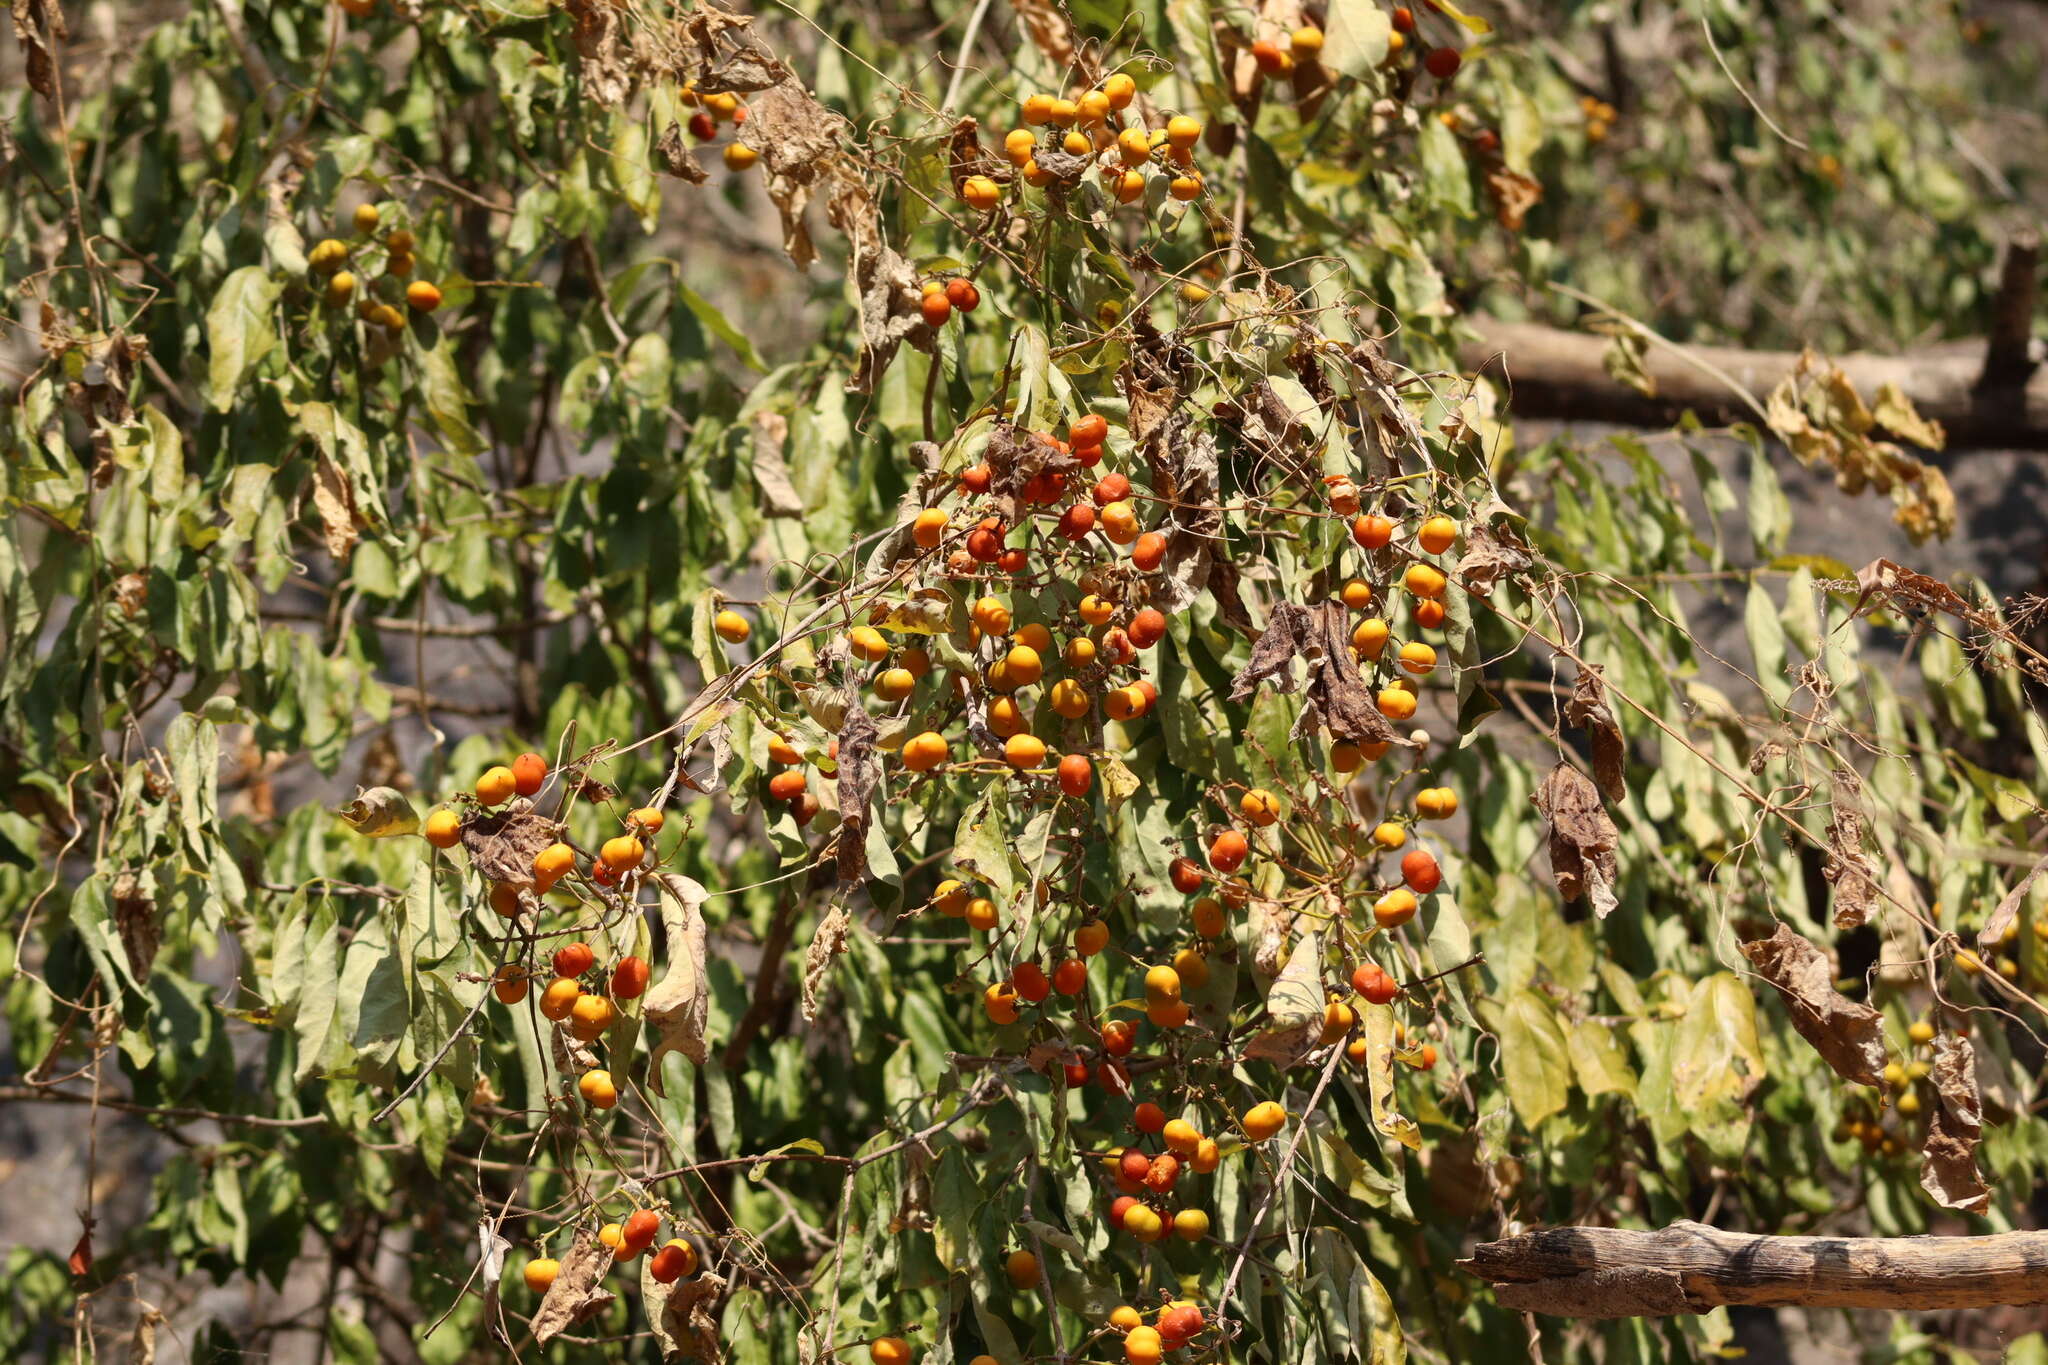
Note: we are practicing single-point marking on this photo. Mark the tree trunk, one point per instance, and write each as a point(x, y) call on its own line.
point(1691, 1268)
point(1550, 372)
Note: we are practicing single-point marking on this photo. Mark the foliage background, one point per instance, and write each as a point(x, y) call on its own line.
point(556, 478)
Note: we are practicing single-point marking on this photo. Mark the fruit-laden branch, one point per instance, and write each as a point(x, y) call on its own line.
point(1691, 1268)
point(1556, 373)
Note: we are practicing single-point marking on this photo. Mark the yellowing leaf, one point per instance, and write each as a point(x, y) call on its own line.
point(1379, 1077)
point(379, 813)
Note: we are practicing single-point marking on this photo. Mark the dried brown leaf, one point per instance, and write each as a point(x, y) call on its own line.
point(676, 157)
point(1016, 457)
point(799, 142)
point(36, 23)
point(1337, 698)
point(1846, 866)
point(606, 70)
point(690, 1318)
point(860, 772)
point(502, 847)
point(828, 943)
point(1194, 527)
point(1491, 554)
point(887, 285)
point(1884, 580)
point(1949, 1169)
point(725, 54)
point(1582, 838)
point(2008, 909)
point(1050, 32)
point(1848, 1036)
point(575, 1296)
point(1513, 195)
point(771, 471)
point(679, 1005)
point(1589, 711)
point(136, 920)
point(335, 500)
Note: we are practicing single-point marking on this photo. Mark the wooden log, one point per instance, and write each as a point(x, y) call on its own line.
point(1691, 1268)
point(1550, 372)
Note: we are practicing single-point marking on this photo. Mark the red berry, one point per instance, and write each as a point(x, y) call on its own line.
point(1371, 981)
point(1419, 869)
point(963, 295)
point(1443, 62)
point(1029, 979)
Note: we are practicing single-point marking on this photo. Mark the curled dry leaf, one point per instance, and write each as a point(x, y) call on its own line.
point(1491, 554)
point(1271, 924)
point(1949, 1168)
point(502, 847)
point(606, 71)
point(860, 771)
point(676, 157)
point(799, 140)
point(1882, 580)
point(1195, 540)
point(2008, 909)
point(828, 943)
point(1294, 1004)
point(925, 611)
point(1848, 1036)
point(1847, 867)
point(379, 813)
point(887, 285)
point(575, 1296)
point(1014, 459)
point(1379, 1077)
point(1050, 32)
point(36, 23)
point(771, 471)
point(725, 54)
point(1588, 710)
point(1513, 195)
point(690, 1318)
point(1338, 698)
point(965, 156)
point(1582, 838)
point(1817, 412)
point(679, 1005)
point(135, 919)
point(335, 501)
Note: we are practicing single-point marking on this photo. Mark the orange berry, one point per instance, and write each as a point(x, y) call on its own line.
point(443, 829)
point(496, 786)
point(1372, 531)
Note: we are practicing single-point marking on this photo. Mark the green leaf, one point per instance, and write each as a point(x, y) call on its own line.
point(981, 844)
point(1598, 1059)
point(716, 323)
point(1355, 36)
point(1533, 1054)
point(240, 331)
point(318, 989)
point(1770, 512)
point(448, 399)
point(1446, 181)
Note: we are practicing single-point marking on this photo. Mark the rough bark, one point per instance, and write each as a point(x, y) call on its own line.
point(1691, 1268)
